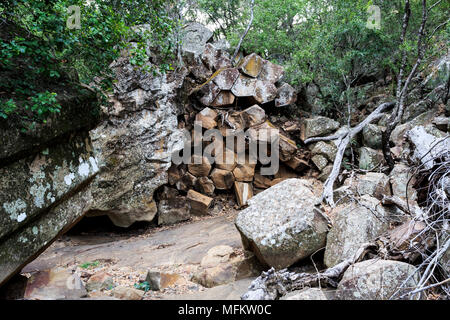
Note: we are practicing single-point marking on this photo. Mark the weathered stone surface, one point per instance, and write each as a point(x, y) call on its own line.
point(305, 294)
point(265, 91)
point(135, 146)
point(317, 126)
point(297, 164)
point(271, 72)
point(199, 166)
point(288, 148)
point(320, 161)
point(325, 173)
point(195, 37)
point(402, 182)
point(54, 284)
point(225, 79)
point(173, 210)
point(372, 136)
point(227, 160)
point(429, 144)
point(329, 150)
point(244, 86)
point(76, 115)
point(22, 246)
point(187, 182)
point(199, 203)
point(286, 95)
point(377, 280)
point(372, 183)
point(215, 58)
point(99, 281)
point(251, 65)
point(369, 159)
point(262, 182)
point(223, 179)
point(253, 116)
point(243, 191)
point(207, 118)
point(282, 224)
point(205, 185)
point(245, 171)
point(126, 293)
point(161, 280)
point(31, 185)
point(208, 93)
point(223, 99)
point(354, 225)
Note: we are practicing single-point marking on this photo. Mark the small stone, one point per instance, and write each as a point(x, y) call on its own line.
point(100, 281)
point(244, 86)
point(199, 203)
point(251, 65)
point(329, 150)
point(286, 96)
point(244, 172)
point(370, 159)
point(199, 166)
point(161, 280)
point(320, 161)
point(126, 293)
point(372, 136)
point(271, 72)
point(317, 127)
point(253, 116)
point(305, 294)
point(223, 179)
point(243, 191)
point(205, 185)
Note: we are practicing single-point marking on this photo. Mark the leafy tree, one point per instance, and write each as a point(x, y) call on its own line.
point(38, 52)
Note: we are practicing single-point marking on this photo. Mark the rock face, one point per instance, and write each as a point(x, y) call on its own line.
point(354, 225)
point(135, 145)
point(369, 159)
point(376, 280)
point(282, 224)
point(195, 37)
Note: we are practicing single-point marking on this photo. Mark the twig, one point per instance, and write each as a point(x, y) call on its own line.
point(245, 32)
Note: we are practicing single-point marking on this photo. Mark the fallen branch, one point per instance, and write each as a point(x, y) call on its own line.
point(273, 284)
point(344, 140)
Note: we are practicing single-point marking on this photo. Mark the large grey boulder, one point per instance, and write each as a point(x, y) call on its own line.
point(282, 224)
point(318, 126)
point(355, 223)
point(377, 280)
point(305, 294)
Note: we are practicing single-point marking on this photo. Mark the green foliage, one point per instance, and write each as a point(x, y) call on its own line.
point(323, 41)
point(37, 47)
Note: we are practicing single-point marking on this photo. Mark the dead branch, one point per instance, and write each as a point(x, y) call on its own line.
point(273, 284)
point(252, 4)
point(327, 194)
